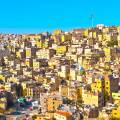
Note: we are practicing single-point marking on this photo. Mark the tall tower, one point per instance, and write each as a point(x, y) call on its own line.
point(92, 20)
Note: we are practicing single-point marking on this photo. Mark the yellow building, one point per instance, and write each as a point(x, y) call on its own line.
point(111, 84)
point(2, 77)
point(107, 37)
point(86, 63)
point(53, 103)
point(93, 99)
point(73, 94)
point(24, 88)
point(64, 74)
point(109, 53)
point(98, 85)
point(91, 41)
point(8, 87)
point(46, 43)
point(116, 98)
point(39, 44)
point(48, 53)
point(64, 90)
point(43, 45)
point(28, 53)
point(74, 57)
point(39, 117)
point(27, 62)
point(18, 54)
point(73, 74)
point(33, 92)
point(13, 79)
point(3, 104)
point(116, 114)
point(66, 37)
point(52, 63)
point(65, 71)
point(86, 32)
point(94, 34)
point(79, 93)
point(57, 32)
point(100, 37)
point(107, 87)
point(36, 64)
point(105, 30)
point(61, 49)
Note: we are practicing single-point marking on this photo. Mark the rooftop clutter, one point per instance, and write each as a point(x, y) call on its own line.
point(78, 70)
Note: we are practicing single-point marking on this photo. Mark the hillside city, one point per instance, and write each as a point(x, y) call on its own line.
point(71, 75)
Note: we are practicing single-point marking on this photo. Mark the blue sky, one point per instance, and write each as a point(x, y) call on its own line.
point(32, 16)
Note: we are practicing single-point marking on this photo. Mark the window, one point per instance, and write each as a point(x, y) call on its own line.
point(106, 87)
point(106, 82)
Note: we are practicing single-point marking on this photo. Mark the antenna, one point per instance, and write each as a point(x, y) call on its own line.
point(92, 19)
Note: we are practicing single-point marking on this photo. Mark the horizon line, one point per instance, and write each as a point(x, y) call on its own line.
point(42, 30)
